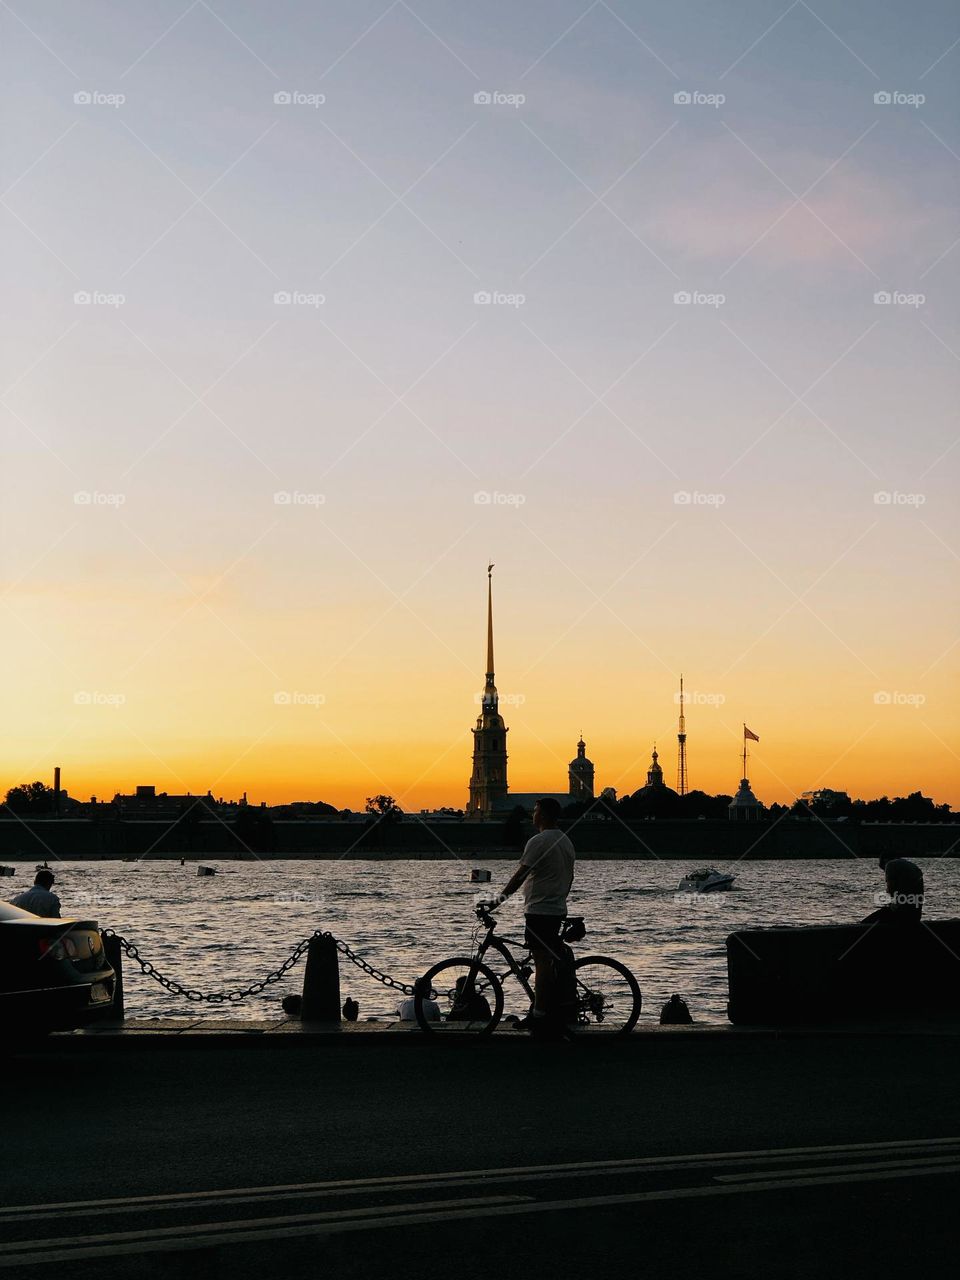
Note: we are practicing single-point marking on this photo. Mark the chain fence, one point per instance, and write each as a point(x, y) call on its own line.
point(237, 994)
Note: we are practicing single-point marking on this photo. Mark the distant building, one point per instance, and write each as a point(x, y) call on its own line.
point(489, 793)
point(147, 803)
point(825, 798)
point(488, 780)
point(581, 774)
point(744, 807)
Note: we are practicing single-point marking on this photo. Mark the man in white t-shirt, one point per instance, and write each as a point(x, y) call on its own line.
point(431, 1010)
point(546, 875)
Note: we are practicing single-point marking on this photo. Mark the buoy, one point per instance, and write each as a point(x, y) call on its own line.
point(206, 871)
point(479, 875)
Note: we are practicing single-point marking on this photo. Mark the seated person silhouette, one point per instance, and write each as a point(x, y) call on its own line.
point(905, 891)
point(468, 1004)
point(406, 1010)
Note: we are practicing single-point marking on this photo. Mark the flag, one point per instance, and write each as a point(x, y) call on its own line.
point(748, 733)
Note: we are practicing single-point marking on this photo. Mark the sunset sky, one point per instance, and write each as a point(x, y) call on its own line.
point(243, 542)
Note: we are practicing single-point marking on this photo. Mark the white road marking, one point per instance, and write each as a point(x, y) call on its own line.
point(441, 1178)
point(339, 1225)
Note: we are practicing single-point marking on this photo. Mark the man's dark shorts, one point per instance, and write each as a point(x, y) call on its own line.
point(542, 933)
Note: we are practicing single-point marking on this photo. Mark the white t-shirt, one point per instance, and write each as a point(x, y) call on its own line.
point(406, 1012)
point(40, 901)
point(550, 856)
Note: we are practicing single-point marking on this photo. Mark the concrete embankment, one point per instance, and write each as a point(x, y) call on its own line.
point(83, 839)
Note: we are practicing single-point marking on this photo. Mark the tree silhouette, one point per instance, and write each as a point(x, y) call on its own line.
point(31, 797)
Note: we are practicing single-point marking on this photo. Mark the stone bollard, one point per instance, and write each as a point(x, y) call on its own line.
point(114, 954)
point(321, 982)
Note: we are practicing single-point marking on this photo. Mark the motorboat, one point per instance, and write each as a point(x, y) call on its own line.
point(705, 880)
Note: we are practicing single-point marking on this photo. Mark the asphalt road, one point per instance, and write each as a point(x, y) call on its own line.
point(732, 1157)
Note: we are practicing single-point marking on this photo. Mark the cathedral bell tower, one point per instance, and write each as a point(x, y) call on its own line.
point(581, 774)
point(488, 782)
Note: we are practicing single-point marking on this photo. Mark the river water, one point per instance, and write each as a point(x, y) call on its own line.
point(229, 929)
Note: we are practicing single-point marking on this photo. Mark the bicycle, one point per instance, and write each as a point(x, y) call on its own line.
point(471, 998)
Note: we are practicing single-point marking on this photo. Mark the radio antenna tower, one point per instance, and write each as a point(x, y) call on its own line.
point(682, 747)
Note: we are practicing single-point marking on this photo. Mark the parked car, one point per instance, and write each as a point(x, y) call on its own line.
point(54, 974)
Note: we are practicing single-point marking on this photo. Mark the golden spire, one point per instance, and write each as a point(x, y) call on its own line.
point(489, 624)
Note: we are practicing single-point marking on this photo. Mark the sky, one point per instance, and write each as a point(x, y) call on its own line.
point(310, 311)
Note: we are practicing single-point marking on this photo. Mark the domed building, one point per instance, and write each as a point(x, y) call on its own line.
point(656, 799)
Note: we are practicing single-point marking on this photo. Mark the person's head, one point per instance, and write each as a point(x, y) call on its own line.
point(422, 988)
point(546, 813)
point(44, 878)
point(904, 882)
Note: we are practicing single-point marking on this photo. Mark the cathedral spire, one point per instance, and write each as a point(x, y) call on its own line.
point(490, 624)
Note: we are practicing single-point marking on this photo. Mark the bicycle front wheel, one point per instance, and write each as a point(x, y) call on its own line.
point(467, 995)
point(608, 996)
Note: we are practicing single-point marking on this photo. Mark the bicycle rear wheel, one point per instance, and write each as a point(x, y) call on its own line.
point(608, 996)
point(469, 996)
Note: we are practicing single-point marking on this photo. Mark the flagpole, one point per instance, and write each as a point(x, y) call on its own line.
point(744, 774)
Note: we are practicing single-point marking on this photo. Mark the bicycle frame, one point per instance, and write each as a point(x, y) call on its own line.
point(494, 942)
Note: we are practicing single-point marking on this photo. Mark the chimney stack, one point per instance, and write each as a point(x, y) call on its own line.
point(56, 790)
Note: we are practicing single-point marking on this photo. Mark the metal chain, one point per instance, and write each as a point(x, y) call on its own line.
point(241, 993)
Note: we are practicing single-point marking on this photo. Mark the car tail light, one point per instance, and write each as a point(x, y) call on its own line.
point(70, 947)
point(52, 948)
